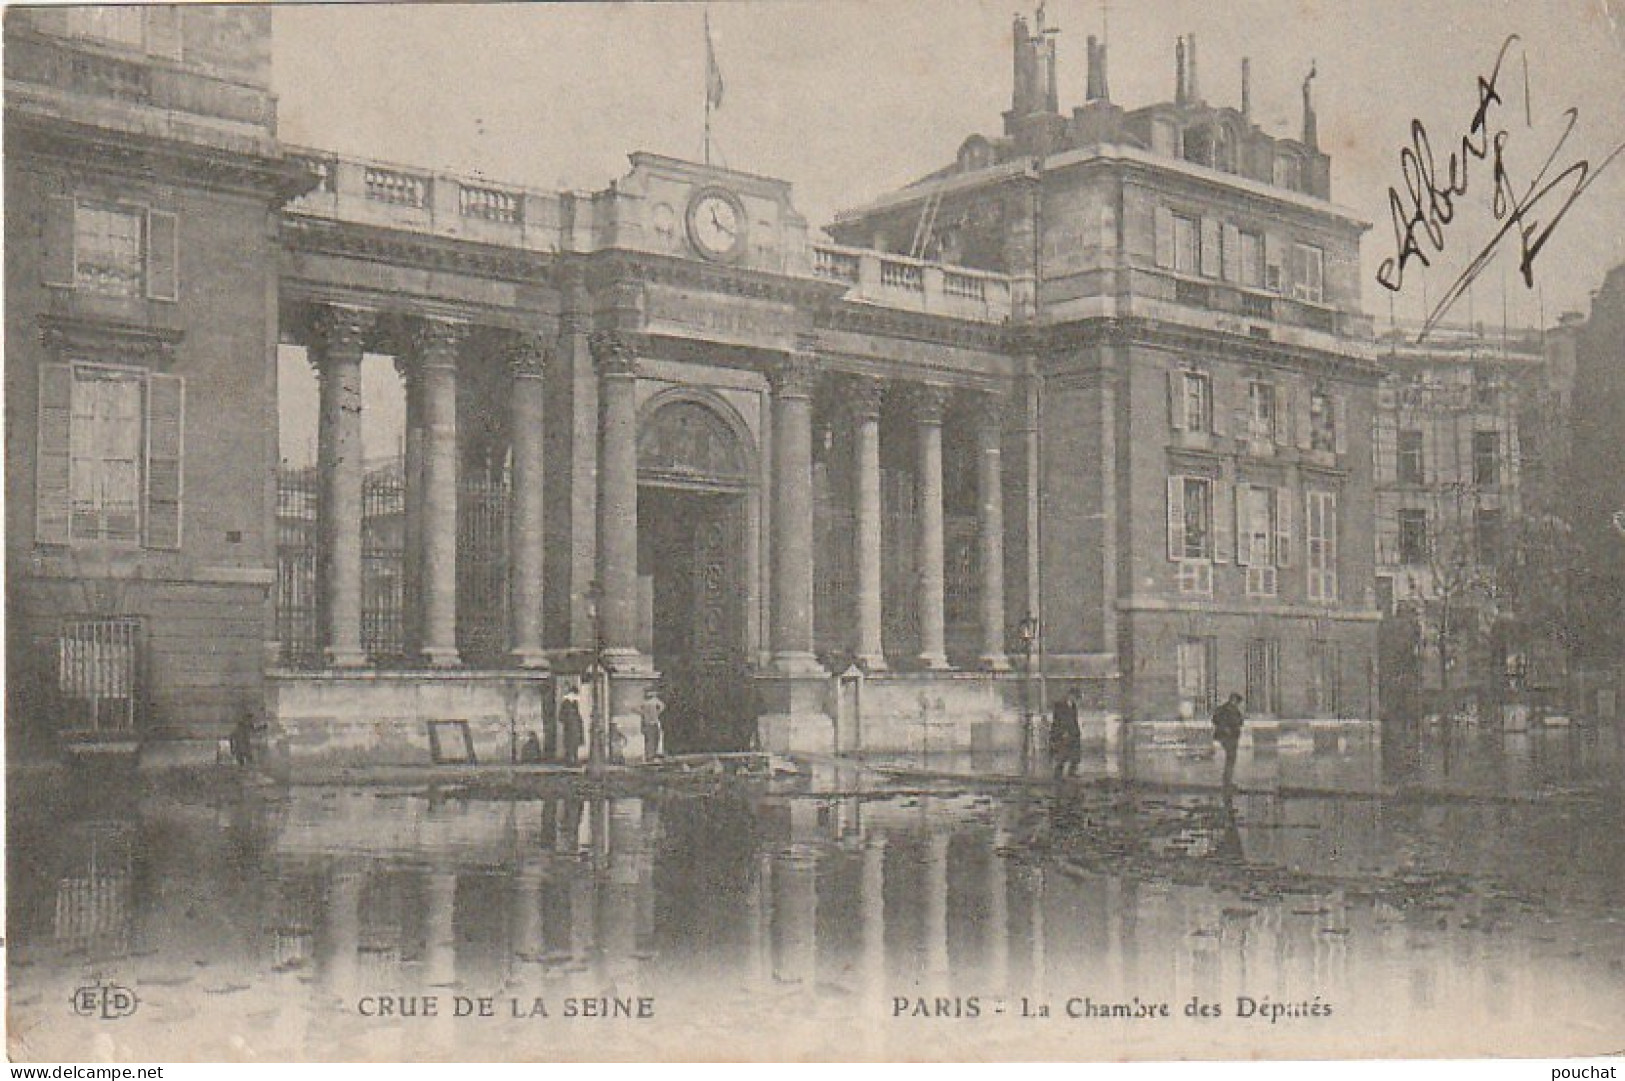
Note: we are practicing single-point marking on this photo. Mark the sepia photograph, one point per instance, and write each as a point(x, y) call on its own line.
point(814, 530)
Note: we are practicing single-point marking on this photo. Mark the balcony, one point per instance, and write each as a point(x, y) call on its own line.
point(897, 281)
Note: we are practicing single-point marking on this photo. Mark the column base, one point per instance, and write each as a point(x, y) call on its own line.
point(344, 658)
point(797, 664)
point(631, 675)
point(439, 657)
point(794, 718)
point(934, 662)
point(995, 662)
point(533, 658)
point(870, 662)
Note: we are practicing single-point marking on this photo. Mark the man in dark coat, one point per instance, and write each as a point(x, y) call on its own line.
point(570, 726)
point(1227, 722)
point(1065, 737)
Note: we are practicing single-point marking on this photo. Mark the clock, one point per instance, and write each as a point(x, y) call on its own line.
point(716, 223)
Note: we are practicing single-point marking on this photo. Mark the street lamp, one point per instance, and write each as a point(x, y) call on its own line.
point(1027, 633)
point(597, 679)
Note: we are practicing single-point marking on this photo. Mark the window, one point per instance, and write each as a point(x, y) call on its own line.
point(1190, 518)
point(109, 456)
point(1320, 543)
point(1187, 245)
point(1305, 273)
point(1486, 391)
point(107, 251)
point(1325, 664)
point(1322, 422)
point(1196, 404)
point(1413, 536)
point(1486, 459)
point(1261, 417)
point(1252, 260)
point(1258, 541)
point(97, 673)
point(1487, 534)
point(1264, 676)
point(1410, 457)
point(112, 250)
point(1199, 673)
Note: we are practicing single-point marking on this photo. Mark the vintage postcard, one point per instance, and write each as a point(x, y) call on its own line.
point(886, 531)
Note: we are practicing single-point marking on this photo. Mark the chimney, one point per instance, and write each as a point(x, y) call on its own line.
point(1093, 93)
point(1311, 135)
point(1192, 91)
point(1105, 87)
point(1179, 71)
point(1246, 89)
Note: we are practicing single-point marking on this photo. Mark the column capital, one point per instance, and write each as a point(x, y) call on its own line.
point(989, 408)
point(930, 402)
point(527, 354)
point(793, 375)
point(433, 342)
point(864, 395)
point(337, 331)
point(613, 353)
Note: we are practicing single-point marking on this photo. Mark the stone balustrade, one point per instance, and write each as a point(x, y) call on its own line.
point(897, 281)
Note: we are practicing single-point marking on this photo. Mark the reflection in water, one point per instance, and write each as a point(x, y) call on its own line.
point(272, 923)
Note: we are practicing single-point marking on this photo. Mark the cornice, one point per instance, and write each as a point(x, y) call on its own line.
point(915, 326)
point(1239, 348)
point(605, 269)
point(153, 158)
point(322, 236)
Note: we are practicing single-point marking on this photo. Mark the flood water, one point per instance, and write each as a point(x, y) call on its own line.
point(1404, 907)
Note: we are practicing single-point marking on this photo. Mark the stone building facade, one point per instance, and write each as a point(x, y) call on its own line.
point(1100, 381)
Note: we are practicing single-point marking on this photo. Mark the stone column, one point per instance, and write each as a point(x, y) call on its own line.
point(792, 380)
point(440, 927)
point(873, 905)
point(865, 402)
point(527, 359)
point(998, 911)
point(936, 904)
point(618, 620)
point(336, 347)
point(795, 915)
point(617, 496)
point(434, 352)
point(343, 938)
point(412, 511)
point(929, 403)
point(990, 524)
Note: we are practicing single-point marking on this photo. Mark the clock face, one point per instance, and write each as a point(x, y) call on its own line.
point(716, 224)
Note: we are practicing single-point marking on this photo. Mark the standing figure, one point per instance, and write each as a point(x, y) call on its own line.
point(1227, 722)
point(649, 713)
point(1065, 737)
point(570, 726)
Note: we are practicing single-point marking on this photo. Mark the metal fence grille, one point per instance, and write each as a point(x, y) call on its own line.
point(899, 589)
point(482, 570)
point(834, 585)
point(93, 910)
point(98, 674)
point(383, 565)
point(296, 561)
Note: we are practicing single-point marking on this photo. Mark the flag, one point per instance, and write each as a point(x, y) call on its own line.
point(713, 74)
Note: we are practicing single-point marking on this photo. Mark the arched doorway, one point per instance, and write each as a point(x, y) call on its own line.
point(694, 508)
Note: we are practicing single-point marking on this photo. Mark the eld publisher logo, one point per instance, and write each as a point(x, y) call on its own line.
point(105, 1001)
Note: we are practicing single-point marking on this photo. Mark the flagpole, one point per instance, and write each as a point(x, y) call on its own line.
point(707, 86)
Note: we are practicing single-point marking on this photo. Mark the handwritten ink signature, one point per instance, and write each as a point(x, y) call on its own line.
point(1429, 201)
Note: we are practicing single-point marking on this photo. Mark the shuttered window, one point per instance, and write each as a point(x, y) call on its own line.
point(1190, 518)
point(111, 250)
point(110, 446)
point(1320, 543)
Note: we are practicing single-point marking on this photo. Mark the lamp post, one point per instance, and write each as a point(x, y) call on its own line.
point(1027, 633)
point(597, 679)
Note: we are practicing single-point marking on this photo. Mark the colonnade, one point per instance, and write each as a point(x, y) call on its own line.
point(428, 359)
